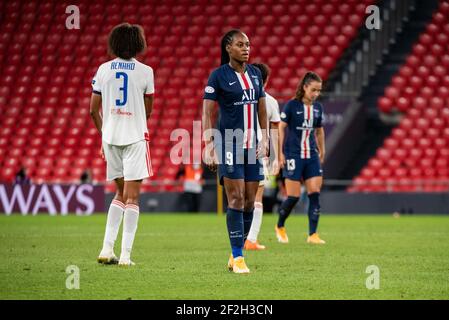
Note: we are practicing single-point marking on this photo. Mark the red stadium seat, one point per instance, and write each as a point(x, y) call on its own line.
point(399, 133)
point(419, 50)
point(403, 104)
point(444, 152)
point(385, 172)
point(392, 93)
point(398, 82)
point(391, 143)
point(414, 114)
point(375, 163)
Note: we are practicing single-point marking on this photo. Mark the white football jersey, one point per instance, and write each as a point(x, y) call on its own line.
point(272, 114)
point(122, 85)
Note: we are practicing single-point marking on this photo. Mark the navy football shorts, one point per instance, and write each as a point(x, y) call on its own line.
point(240, 165)
point(298, 169)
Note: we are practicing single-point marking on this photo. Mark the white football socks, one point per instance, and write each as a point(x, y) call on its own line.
point(130, 220)
point(115, 214)
point(257, 222)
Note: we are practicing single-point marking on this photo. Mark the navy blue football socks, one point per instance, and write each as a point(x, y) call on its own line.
point(314, 211)
point(234, 221)
point(285, 210)
point(247, 221)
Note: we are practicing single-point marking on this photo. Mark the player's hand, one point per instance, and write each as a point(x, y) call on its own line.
point(275, 167)
point(282, 160)
point(102, 153)
point(321, 154)
point(211, 160)
point(262, 150)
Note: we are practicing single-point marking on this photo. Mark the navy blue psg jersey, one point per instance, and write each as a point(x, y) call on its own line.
point(238, 96)
point(301, 121)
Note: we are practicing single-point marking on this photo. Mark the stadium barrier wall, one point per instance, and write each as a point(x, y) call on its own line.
point(339, 202)
point(52, 199)
point(170, 201)
point(55, 199)
point(344, 202)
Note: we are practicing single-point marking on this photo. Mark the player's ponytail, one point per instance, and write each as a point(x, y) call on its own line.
point(308, 77)
point(227, 39)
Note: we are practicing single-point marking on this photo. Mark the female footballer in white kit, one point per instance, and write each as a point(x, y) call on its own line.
point(270, 167)
point(124, 89)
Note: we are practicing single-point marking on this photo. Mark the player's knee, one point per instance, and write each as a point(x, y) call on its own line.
point(119, 196)
point(249, 205)
point(290, 202)
point(131, 196)
point(236, 201)
point(313, 190)
point(132, 200)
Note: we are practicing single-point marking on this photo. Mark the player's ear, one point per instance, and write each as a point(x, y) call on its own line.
point(228, 48)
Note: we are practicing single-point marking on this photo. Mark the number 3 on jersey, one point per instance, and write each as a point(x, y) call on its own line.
point(121, 102)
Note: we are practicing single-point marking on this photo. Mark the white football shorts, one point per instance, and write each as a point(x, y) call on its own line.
point(132, 162)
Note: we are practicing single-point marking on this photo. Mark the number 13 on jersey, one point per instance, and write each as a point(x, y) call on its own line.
point(119, 103)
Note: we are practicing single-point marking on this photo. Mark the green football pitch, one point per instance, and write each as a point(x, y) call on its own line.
point(180, 256)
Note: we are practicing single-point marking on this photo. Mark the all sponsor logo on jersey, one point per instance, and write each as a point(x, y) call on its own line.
point(248, 97)
point(307, 123)
point(249, 94)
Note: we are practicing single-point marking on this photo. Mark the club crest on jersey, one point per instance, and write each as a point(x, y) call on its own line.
point(249, 94)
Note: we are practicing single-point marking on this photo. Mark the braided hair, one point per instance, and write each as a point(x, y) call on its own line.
point(226, 40)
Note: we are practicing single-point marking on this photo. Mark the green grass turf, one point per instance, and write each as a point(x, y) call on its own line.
point(182, 256)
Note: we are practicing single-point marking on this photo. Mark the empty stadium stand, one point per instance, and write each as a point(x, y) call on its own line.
point(416, 155)
point(47, 69)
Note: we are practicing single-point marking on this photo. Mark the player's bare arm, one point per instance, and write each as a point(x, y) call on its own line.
point(148, 100)
point(319, 134)
point(282, 126)
point(208, 115)
point(274, 137)
point(95, 104)
point(262, 115)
